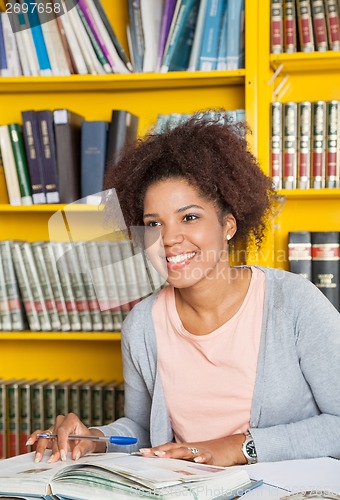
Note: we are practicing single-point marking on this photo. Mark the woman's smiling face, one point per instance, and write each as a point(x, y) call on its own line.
point(184, 237)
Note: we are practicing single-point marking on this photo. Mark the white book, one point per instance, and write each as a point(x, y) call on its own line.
point(151, 11)
point(73, 43)
point(196, 46)
point(54, 46)
point(10, 169)
point(13, 61)
point(28, 42)
point(115, 61)
point(88, 52)
point(23, 54)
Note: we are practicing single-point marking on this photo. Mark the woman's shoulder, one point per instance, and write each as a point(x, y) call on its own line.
point(140, 316)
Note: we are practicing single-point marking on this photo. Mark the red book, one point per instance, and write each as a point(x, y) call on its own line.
point(319, 24)
point(318, 144)
point(276, 26)
point(289, 145)
point(305, 26)
point(333, 24)
point(289, 26)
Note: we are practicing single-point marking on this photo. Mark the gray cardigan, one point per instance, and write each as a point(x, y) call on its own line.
point(295, 409)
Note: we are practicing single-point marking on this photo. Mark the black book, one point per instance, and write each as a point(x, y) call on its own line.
point(122, 131)
point(67, 129)
point(300, 253)
point(49, 159)
point(34, 155)
point(326, 264)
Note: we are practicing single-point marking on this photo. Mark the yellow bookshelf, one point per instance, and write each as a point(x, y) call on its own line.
point(97, 355)
point(294, 77)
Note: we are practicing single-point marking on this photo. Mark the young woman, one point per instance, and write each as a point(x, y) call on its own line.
point(226, 365)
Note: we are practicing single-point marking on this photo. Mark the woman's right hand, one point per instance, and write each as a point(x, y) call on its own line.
point(63, 427)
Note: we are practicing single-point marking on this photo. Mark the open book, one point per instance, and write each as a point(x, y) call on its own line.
point(119, 476)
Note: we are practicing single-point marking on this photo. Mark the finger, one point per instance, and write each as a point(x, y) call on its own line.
point(42, 443)
point(68, 425)
point(159, 450)
point(82, 447)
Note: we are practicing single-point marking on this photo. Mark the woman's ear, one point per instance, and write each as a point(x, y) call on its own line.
point(230, 226)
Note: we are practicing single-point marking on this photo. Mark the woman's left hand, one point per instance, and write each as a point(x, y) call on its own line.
point(224, 451)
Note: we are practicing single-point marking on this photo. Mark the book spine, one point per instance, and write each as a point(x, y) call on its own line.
point(3, 405)
point(66, 286)
point(235, 34)
point(94, 135)
point(5, 315)
point(109, 403)
point(74, 400)
point(289, 30)
point(112, 34)
point(63, 398)
point(289, 145)
point(318, 144)
point(276, 26)
point(168, 12)
point(17, 320)
point(33, 151)
point(24, 416)
point(8, 161)
point(209, 47)
point(54, 46)
point(4, 70)
point(97, 323)
point(50, 406)
point(112, 284)
point(325, 264)
point(151, 13)
point(35, 286)
point(25, 288)
point(45, 284)
point(47, 141)
point(71, 267)
point(276, 144)
point(304, 144)
point(120, 278)
point(319, 24)
point(52, 272)
point(97, 404)
point(123, 130)
point(131, 277)
point(136, 35)
point(333, 24)
point(305, 25)
point(37, 402)
point(21, 163)
point(38, 38)
point(96, 47)
point(12, 419)
point(10, 45)
point(75, 52)
point(332, 144)
point(120, 400)
point(300, 253)
point(67, 50)
point(86, 403)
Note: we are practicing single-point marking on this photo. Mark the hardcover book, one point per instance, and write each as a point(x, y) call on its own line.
point(21, 163)
point(276, 26)
point(123, 130)
point(49, 159)
point(304, 144)
point(289, 26)
point(305, 26)
point(326, 264)
point(67, 128)
point(119, 476)
point(300, 253)
point(94, 136)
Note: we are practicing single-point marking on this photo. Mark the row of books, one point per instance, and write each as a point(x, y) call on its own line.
point(171, 121)
point(39, 38)
point(316, 256)
point(59, 157)
point(304, 25)
point(180, 35)
point(82, 286)
point(305, 144)
point(29, 405)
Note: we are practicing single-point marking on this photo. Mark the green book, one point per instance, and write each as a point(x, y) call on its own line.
point(21, 163)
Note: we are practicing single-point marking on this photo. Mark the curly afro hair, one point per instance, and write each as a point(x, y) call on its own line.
point(210, 154)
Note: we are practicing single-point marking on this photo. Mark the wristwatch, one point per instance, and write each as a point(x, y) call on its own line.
point(248, 449)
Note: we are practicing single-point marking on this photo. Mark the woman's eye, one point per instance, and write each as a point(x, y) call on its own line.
point(152, 223)
point(190, 217)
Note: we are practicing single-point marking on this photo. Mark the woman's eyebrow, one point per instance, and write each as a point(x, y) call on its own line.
point(179, 210)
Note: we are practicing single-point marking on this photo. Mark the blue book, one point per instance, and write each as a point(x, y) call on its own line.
point(211, 35)
point(235, 34)
point(196, 45)
point(222, 47)
point(94, 135)
point(38, 38)
point(3, 57)
point(177, 52)
point(136, 34)
point(49, 158)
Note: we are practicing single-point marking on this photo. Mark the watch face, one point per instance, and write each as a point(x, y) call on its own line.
point(250, 449)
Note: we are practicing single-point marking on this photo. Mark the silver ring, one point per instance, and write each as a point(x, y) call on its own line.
point(194, 451)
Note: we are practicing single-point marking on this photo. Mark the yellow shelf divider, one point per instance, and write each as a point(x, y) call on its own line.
point(81, 336)
point(304, 62)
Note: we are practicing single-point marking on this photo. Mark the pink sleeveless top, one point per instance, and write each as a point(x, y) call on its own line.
point(208, 380)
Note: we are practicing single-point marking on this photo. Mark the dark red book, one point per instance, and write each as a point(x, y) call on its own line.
point(289, 26)
point(333, 24)
point(305, 26)
point(318, 144)
point(276, 26)
point(319, 24)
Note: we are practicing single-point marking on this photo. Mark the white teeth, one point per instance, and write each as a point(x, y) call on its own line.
point(180, 258)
